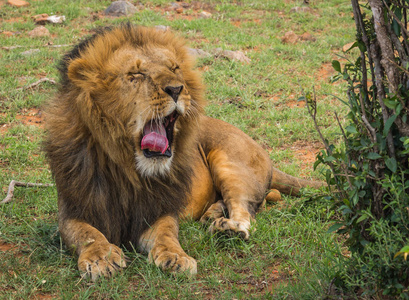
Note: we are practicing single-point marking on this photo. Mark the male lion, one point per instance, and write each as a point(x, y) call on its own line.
point(131, 152)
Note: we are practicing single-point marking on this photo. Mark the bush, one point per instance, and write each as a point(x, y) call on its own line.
point(368, 173)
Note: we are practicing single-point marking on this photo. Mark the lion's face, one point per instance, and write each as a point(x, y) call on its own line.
point(146, 93)
point(161, 98)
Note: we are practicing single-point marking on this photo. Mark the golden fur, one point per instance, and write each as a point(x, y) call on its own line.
point(118, 88)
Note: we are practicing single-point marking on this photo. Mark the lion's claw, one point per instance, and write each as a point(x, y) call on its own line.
point(175, 262)
point(230, 227)
point(100, 259)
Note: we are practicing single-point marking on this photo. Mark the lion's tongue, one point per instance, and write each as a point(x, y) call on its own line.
point(154, 138)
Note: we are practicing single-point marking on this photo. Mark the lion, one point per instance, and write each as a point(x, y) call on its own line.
point(132, 152)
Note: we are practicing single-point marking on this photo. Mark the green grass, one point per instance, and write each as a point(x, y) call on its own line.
point(290, 255)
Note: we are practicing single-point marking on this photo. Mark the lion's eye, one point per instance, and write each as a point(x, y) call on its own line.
point(174, 68)
point(135, 77)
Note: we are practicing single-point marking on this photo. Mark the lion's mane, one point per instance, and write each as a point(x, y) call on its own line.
point(89, 148)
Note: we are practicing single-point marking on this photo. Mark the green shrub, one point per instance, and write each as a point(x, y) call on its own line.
point(368, 172)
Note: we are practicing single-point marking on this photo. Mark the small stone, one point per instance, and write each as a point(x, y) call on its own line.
point(205, 15)
point(307, 37)
point(38, 32)
point(199, 53)
point(175, 5)
point(289, 38)
point(8, 33)
point(18, 3)
point(40, 19)
point(56, 19)
point(30, 52)
point(302, 9)
point(162, 27)
point(233, 55)
point(120, 8)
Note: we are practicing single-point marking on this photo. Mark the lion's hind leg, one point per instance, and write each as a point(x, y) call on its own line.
point(242, 189)
point(215, 211)
point(218, 217)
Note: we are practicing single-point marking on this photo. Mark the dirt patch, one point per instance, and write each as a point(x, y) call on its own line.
point(32, 117)
point(4, 128)
point(274, 277)
point(27, 117)
point(237, 22)
point(6, 247)
point(295, 103)
point(325, 72)
point(15, 20)
point(306, 152)
point(290, 101)
point(43, 297)
point(9, 247)
point(186, 11)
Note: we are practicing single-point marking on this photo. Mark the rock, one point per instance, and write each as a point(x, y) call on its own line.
point(38, 32)
point(30, 52)
point(205, 15)
point(18, 3)
point(302, 9)
point(120, 8)
point(40, 19)
point(307, 37)
point(162, 27)
point(348, 46)
point(56, 19)
point(289, 38)
point(233, 55)
point(8, 33)
point(11, 48)
point(175, 6)
point(199, 53)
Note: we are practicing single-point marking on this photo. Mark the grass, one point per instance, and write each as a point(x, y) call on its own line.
point(290, 255)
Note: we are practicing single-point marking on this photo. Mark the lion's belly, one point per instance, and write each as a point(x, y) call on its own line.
point(203, 193)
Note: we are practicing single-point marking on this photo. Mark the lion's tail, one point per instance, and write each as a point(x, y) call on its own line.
point(291, 185)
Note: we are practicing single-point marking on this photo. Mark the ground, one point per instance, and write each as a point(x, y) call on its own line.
point(287, 51)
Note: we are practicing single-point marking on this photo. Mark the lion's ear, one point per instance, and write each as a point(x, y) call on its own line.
point(83, 74)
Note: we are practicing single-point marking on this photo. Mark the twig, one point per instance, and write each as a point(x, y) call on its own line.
point(14, 183)
point(34, 84)
point(58, 46)
point(402, 26)
point(8, 48)
point(11, 47)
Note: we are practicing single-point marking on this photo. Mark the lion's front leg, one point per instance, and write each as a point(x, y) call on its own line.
point(97, 257)
point(161, 243)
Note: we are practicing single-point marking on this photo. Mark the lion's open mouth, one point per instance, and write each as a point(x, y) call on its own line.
point(158, 136)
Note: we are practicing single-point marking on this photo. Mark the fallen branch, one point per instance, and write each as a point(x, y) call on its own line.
point(58, 46)
point(11, 47)
point(8, 48)
point(34, 84)
point(14, 183)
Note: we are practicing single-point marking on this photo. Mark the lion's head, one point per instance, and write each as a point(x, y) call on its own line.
point(136, 86)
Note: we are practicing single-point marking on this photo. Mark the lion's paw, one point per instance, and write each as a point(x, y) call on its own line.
point(215, 211)
point(175, 262)
point(100, 259)
point(231, 227)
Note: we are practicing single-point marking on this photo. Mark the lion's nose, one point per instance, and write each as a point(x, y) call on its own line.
point(174, 91)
